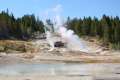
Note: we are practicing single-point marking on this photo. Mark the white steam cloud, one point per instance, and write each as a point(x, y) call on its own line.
point(52, 11)
point(73, 41)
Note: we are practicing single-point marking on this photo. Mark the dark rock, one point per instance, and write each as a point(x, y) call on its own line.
point(91, 40)
point(59, 44)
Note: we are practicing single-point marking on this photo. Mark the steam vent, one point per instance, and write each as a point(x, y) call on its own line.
point(58, 41)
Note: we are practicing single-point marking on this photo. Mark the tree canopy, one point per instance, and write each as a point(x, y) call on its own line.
point(107, 28)
point(19, 28)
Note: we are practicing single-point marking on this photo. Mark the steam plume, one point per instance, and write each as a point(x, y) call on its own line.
point(72, 40)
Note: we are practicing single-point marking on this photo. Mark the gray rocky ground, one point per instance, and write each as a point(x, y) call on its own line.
point(99, 61)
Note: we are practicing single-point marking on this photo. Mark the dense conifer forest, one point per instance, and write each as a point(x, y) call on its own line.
point(107, 28)
point(19, 28)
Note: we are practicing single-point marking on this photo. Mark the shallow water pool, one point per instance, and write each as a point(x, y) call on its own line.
point(62, 69)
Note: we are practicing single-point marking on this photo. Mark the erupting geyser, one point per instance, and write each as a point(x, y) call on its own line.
point(71, 40)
